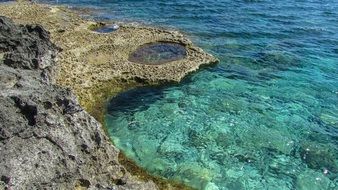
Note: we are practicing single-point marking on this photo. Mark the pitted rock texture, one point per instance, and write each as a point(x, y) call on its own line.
point(27, 46)
point(47, 141)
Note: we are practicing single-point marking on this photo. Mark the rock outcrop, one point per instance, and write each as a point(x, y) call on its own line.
point(46, 139)
point(96, 66)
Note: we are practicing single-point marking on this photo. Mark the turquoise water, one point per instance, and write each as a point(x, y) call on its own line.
point(266, 117)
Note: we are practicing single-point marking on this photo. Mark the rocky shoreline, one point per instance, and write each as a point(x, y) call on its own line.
point(95, 66)
point(48, 139)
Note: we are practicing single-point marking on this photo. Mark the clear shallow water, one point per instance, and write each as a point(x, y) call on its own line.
point(266, 117)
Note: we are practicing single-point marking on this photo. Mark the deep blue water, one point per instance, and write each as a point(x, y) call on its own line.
point(266, 117)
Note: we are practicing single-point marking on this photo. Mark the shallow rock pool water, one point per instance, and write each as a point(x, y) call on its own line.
point(158, 53)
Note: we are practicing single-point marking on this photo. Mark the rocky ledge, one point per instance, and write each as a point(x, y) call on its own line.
point(47, 141)
point(96, 65)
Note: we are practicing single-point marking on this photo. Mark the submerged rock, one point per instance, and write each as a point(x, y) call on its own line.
point(277, 60)
point(47, 141)
point(319, 156)
point(312, 180)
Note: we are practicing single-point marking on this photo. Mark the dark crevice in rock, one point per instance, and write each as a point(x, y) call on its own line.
point(71, 157)
point(67, 106)
point(5, 179)
point(29, 110)
point(85, 148)
point(84, 183)
point(47, 105)
point(98, 138)
point(120, 182)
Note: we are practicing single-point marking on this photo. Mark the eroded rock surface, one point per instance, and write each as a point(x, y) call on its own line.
point(46, 139)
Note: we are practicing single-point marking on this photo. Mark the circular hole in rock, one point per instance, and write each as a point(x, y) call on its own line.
point(158, 53)
point(108, 28)
point(103, 28)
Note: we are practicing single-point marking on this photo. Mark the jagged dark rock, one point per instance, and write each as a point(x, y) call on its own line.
point(47, 141)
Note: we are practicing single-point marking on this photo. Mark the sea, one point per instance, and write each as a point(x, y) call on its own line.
point(264, 117)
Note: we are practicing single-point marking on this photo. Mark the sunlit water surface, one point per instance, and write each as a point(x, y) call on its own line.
point(266, 117)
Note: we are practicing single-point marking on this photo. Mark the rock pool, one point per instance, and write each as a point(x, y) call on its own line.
point(158, 53)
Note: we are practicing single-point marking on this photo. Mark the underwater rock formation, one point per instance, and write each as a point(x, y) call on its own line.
point(46, 139)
